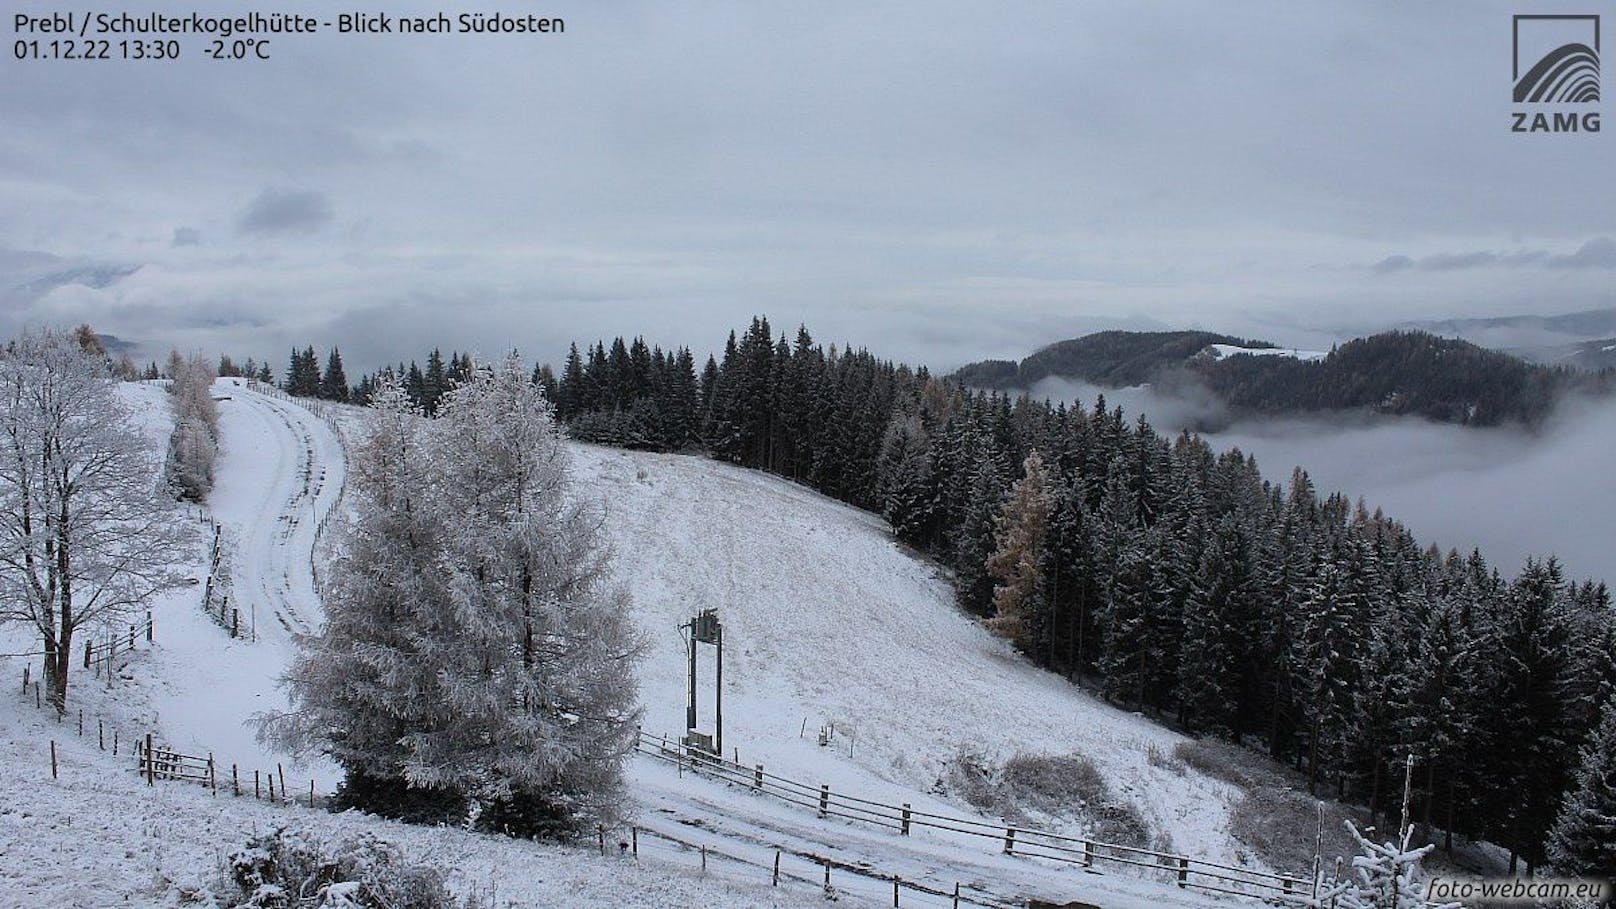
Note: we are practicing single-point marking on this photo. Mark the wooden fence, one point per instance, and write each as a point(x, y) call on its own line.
point(215, 600)
point(102, 655)
point(156, 761)
point(818, 872)
point(1186, 871)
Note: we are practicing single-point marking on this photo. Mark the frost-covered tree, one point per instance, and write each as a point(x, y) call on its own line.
point(84, 539)
point(1583, 841)
point(194, 443)
point(493, 659)
point(368, 680)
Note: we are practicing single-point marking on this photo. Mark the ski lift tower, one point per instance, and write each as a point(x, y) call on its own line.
point(706, 629)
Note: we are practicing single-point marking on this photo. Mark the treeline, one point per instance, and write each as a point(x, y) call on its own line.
point(1172, 578)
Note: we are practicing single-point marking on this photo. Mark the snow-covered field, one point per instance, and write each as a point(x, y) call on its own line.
point(1220, 351)
point(827, 622)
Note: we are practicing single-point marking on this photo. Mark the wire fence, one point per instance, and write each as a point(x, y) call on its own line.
point(1187, 871)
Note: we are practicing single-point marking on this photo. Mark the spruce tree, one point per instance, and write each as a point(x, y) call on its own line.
point(334, 384)
point(1583, 840)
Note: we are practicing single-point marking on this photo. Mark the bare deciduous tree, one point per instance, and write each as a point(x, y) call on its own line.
point(84, 538)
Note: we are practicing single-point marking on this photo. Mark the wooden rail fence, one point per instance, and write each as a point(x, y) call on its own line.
point(1186, 871)
point(103, 653)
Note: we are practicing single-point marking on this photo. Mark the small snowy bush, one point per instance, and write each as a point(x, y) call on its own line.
point(291, 869)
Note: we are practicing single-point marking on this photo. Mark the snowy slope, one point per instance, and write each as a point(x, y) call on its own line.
point(828, 621)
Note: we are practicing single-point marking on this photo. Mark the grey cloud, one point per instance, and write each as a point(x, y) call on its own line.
point(275, 211)
point(186, 236)
point(1600, 252)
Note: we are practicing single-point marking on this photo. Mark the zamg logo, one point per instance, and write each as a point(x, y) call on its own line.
point(1563, 57)
point(1569, 71)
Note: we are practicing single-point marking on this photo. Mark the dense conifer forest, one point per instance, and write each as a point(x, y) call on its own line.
point(1169, 577)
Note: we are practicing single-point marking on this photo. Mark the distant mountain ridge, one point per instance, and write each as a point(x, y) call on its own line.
point(1114, 358)
point(1398, 372)
point(1583, 340)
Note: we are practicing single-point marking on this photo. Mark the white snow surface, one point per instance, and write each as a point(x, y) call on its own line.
point(827, 621)
point(1220, 351)
point(280, 468)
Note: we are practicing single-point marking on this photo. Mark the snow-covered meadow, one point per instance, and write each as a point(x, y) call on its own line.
point(827, 621)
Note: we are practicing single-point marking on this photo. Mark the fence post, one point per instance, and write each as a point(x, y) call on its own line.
point(827, 877)
point(235, 782)
point(256, 791)
point(114, 743)
point(131, 637)
point(757, 778)
point(213, 776)
point(282, 771)
point(1009, 841)
point(956, 895)
point(824, 799)
point(776, 868)
point(101, 734)
point(600, 829)
point(311, 794)
point(634, 840)
point(25, 677)
point(86, 653)
point(271, 786)
point(151, 766)
point(704, 859)
point(1183, 872)
point(235, 623)
point(905, 828)
point(81, 722)
point(53, 759)
point(1088, 854)
point(37, 702)
point(151, 628)
point(894, 891)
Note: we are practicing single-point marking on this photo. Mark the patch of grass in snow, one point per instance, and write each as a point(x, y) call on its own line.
point(1275, 817)
point(1061, 786)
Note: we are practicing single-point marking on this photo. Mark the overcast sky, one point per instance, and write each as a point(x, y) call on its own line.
point(939, 181)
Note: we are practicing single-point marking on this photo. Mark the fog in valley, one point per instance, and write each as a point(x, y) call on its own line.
point(1510, 492)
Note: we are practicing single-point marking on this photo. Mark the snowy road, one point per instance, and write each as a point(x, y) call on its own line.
point(280, 469)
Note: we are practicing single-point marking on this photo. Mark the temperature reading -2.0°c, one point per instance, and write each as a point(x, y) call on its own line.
point(240, 49)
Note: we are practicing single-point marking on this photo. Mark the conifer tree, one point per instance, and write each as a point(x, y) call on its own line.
point(1583, 840)
point(334, 383)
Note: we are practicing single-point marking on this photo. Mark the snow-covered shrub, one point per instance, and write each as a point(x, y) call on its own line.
point(293, 869)
point(193, 446)
point(1384, 876)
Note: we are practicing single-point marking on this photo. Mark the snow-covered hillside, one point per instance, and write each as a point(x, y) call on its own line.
point(1224, 351)
point(828, 623)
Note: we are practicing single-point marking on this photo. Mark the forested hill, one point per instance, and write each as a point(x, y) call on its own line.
point(1112, 358)
point(1400, 372)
